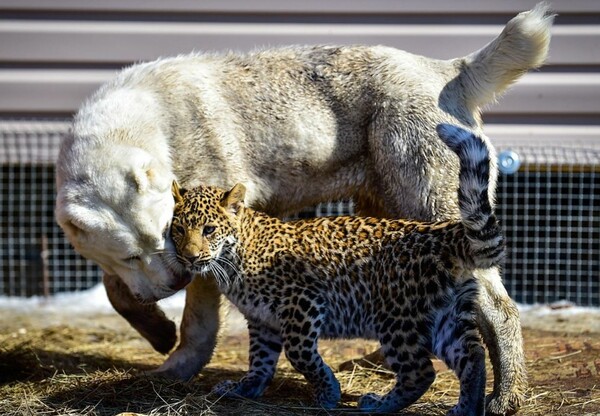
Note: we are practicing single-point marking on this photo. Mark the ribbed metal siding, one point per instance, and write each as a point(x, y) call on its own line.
point(54, 53)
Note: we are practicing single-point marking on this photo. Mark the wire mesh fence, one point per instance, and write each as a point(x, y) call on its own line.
point(35, 257)
point(549, 209)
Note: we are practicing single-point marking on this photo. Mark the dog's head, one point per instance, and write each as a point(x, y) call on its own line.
point(118, 215)
point(115, 206)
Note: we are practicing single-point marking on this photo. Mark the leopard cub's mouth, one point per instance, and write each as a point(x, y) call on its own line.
point(197, 266)
point(177, 267)
point(201, 266)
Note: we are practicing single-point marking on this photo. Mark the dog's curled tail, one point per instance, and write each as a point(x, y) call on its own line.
point(477, 215)
point(522, 46)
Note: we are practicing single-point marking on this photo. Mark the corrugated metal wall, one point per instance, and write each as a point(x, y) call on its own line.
point(54, 53)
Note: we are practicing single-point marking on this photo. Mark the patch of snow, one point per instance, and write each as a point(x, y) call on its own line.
point(560, 316)
point(89, 301)
point(65, 306)
point(562, 307)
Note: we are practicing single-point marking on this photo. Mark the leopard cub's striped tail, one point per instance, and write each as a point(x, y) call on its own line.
point(481, 225)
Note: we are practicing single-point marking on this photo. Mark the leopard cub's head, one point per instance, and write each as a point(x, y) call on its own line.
point(204, 226)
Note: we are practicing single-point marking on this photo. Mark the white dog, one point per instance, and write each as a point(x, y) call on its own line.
point(297, 126)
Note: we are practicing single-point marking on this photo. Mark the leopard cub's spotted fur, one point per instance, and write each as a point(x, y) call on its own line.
point(407, 284)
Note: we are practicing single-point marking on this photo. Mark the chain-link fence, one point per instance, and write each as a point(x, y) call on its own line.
point(549, 208)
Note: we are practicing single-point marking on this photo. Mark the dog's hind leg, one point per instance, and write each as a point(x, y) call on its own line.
point(498, 320)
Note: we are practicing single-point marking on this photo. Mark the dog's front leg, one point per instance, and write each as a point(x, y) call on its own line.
point(148, 319)
point(199, 328)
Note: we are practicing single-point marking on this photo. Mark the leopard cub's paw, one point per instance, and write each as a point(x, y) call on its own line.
point(329, 395)
point(227, 388)
point(250, 389)
point(370, 402)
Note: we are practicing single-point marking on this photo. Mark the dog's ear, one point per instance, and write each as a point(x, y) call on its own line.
point(146, 173)
point(233, 200)
point(178, 192)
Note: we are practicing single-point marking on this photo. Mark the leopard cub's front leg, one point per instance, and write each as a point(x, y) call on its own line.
point(265, 348)
point(300, 333)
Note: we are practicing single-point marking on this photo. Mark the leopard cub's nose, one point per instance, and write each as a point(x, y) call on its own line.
point(192, 259)
point(190, 254)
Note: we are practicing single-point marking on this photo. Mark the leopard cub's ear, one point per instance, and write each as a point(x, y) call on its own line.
point(178, 192)
point(233, 200)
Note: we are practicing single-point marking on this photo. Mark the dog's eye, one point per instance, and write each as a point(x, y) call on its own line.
point(208, 230)
point(132, 258)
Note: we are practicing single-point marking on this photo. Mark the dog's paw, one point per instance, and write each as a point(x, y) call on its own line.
point(182, 364)
point(503, 405)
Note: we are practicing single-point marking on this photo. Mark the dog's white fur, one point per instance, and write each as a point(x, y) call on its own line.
point(113, 199)
point(297, 126)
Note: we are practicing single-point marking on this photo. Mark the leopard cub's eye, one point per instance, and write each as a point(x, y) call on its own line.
point(176, 226)
point(208, 230)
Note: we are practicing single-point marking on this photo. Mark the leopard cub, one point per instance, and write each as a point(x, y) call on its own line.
point(407, 284)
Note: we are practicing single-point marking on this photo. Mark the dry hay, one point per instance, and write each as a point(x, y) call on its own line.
point(100, 370)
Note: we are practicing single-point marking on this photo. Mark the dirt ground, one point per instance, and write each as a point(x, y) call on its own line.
point(95, 365)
